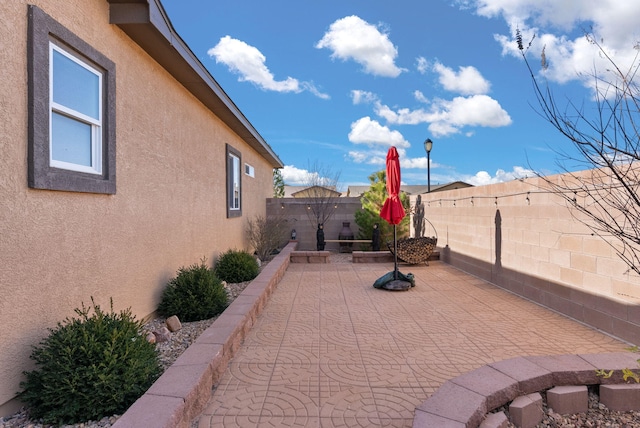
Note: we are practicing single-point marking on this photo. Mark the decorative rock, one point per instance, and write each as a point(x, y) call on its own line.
point(173, 323)
point(567, 400)
point(624, 397)
point(495, 420)
point(163, 335)
point(151, 338)
point(526, 411)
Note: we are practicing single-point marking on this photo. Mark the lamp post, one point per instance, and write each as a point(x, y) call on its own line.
point(428, 144)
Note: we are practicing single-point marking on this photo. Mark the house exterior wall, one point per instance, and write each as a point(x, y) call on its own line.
point(525, 239)
point(59, 249)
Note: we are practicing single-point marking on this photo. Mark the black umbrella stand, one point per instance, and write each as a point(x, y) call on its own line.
point(396, 280)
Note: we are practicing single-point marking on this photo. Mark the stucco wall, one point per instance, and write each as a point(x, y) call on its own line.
point(59, 249)
point(525, 239)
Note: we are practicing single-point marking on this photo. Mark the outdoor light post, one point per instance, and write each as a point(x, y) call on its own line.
point(428, 144)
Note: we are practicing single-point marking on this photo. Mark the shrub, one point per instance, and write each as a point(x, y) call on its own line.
point(237, 266)
point(90, 367)
point(194, 294)
point(266, 234)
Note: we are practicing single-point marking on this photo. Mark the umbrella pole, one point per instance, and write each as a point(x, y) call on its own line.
point(395, 253)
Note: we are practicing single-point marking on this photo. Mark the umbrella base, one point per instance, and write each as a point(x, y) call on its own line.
point(397, 285)
point(395, 281)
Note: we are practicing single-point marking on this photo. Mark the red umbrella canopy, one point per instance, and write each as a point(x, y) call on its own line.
point(392, 210)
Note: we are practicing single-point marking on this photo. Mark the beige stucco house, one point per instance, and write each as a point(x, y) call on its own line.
point(122, 160)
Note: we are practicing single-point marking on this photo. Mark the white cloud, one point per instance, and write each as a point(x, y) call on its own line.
point(556, 23)
point(353, 38)
point(448, 117)
point(294, 176)
point(374, 157)
point(422, 65)
point(477, 110)
point(370, 132)
point(363, 97)
point(483, 177)
point(467, 81)
point(249, 63)
point(420, 97)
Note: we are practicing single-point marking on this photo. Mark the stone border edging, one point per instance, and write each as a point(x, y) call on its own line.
point(183, 390)
point(464, 401)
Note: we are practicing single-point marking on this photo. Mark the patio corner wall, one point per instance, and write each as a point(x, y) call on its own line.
point(526, 240)
point(294, 210)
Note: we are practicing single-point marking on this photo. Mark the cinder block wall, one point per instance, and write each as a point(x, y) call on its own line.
point(294, 210)
point(526, 240)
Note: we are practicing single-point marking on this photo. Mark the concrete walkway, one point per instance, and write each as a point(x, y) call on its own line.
point(329, 350)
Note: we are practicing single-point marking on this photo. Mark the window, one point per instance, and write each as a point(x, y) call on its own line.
point(234, 183)
point(71, 111)
point(249, 170)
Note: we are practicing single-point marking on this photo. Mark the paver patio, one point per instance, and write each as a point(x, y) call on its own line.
point(329, 350)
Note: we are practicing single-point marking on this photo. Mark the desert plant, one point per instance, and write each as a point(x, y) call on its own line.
point(194, 294)
point(90, 367)
point(237, 266)
point(266, 234)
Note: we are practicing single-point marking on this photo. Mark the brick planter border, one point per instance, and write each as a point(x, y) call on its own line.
point(465, 401)
point(184, 389)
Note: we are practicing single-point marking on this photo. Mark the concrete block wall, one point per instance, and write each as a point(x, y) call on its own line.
point(294, 210)
point(525, 239)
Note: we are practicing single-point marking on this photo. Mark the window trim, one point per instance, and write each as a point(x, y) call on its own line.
point(249, 170)
point(44, 31)
point(231, 173)
point(63, 110)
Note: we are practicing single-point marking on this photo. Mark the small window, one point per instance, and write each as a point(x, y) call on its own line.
point(248, 169)
point(234, 183)
point(71, 111)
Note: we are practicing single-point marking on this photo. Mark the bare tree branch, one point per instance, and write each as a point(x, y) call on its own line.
point(604, 196)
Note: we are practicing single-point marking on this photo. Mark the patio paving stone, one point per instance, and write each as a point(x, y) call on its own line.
point(329, 350)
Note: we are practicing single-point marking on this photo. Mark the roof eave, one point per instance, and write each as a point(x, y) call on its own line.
point(147, 24)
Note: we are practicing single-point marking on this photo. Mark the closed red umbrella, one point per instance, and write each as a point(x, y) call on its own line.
point(392, 210)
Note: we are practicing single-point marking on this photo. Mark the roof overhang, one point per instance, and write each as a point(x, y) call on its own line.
point(147, 24)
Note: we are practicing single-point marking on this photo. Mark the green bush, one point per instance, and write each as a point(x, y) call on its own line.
point(195, 294)
point(237, 266)
point(89, 368)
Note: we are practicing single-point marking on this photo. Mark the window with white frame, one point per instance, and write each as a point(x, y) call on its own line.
point(249, 170)
point(234, 183)
point(71, 90)
point(75, 113)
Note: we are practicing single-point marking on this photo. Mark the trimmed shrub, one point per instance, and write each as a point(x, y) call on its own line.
point(237, 266)
point(90, 367)
point(194, 294)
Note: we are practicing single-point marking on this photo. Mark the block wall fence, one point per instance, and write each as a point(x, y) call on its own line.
point(526, 239)
point(294, 211)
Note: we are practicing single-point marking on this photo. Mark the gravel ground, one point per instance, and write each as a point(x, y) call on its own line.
point(169, 351)
point(598, 415)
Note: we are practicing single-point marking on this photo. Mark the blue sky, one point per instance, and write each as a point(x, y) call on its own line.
point(335, 83)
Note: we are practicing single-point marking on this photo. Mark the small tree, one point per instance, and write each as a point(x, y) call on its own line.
point(372, 201)
point(266, 234)
point(322, 197)
point(606, 197)
point(278, 184)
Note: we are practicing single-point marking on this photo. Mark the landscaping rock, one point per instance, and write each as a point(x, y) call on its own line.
point(173, 323)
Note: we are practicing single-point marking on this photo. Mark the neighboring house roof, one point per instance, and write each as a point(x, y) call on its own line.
point(147, 24)
point(310, 192)
point(356, 191)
